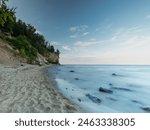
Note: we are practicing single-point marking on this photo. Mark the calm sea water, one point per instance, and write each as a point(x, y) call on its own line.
point(123, 88)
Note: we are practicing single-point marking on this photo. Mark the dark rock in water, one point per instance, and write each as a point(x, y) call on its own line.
point(137, 102)
point(79, 99)
point(123, 89)
point(76, 78)
point(94, 99)
point(66, 88)
point(114, 74)
point(72, 71)
point(72, 89)
point(104, 90)
point(147, 109)
point(110, 84)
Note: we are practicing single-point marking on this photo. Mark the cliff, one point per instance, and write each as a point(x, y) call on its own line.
point(9, 55)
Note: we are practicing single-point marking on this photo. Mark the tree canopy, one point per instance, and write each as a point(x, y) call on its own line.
point(24, 36)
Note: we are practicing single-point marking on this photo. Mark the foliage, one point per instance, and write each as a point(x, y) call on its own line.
point(25, 37)
point(26, 50)
point(7, 17)
point(57, 52)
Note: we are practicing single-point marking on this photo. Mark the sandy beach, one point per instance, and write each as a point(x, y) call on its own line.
point(26, 89)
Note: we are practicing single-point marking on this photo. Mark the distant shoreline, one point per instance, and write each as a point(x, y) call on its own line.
point(26, 89)
point(107, 64)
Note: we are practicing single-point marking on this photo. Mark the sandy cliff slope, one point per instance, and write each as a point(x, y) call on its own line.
point(6, 53)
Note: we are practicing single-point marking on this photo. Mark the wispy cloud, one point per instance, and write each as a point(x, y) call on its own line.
point(85, 33)
point(87, 43)
point(104, 27)
point(66, 48)
point(80, 28)
point(78, 31)
point(74, 36)
point(125, 45)
point(125, 33)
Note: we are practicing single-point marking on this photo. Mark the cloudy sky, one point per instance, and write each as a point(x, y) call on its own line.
point(92, 31)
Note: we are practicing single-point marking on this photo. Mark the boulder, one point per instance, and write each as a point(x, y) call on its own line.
point(93, 99)
point(147, 109)
point(79, 99)
point(72, 71)
point(113, 74)
point(104, 90)
point(110, 84)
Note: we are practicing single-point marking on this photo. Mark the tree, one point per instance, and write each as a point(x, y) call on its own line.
point(51, 49)
point(20, 28)
point(6, 16)
point(24, 36)
point(57, 52)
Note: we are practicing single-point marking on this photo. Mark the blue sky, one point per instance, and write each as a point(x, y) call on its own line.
point(92, 31)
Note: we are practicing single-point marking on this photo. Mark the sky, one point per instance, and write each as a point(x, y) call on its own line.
point(92, 31)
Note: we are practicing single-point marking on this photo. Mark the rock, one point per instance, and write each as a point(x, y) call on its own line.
point(79, 99)
point(21, 64)
point(94, 99)
point(76, 78)
point(135, 101)
point(72, 71)
point(113, 74)
point(39, 63)
point(123, 89)
point(110, 84)
point(104, 90)
point(147, 109)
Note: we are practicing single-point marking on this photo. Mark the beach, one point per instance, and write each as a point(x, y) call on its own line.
point(27, 89)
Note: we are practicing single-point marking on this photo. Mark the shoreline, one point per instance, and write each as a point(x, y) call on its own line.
point(27, 89)
point(55, 87)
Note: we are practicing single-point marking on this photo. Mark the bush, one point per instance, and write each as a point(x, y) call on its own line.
point(26, 50)
point(22, 52)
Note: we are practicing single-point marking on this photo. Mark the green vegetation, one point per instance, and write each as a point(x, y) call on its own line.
point(24, 37)
point(26, 50)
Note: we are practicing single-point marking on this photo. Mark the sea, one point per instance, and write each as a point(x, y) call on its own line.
point(105, 88)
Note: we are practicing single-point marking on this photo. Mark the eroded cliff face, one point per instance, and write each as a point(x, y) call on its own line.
point(52, 58)
point(10, 56)
point(7, 54)
point(49, 58)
